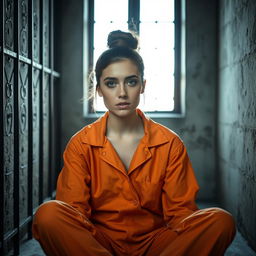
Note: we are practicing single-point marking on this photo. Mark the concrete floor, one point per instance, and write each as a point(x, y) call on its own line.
point(239, 246)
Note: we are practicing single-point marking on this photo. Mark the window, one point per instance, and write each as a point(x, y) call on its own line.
point(161, 32)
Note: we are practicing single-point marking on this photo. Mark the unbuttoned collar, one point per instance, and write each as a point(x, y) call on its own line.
point(95, 133)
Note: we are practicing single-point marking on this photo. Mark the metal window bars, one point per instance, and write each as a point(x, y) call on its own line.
point(28, 124)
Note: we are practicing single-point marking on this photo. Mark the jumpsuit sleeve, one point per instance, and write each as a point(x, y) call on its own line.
point(180, 187)
point(74, 179)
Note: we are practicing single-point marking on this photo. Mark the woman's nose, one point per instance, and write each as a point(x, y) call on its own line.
point(122, 91)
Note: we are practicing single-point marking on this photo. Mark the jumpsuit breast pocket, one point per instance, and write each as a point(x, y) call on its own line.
point(150, 192)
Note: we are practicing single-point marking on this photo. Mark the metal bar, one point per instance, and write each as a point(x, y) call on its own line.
point(177, 71)
point(28, 60)
point(51, 104)
point(91, 33)
point(25, 222)
point(10, 235)
point(57, 100)
point(1, 130)
point(54, 114)
point(90, 44)
point(47, 70)
point(134, 16)
point(24, 59)
point(56, 94)
point(10, 53)
point(55, 74)
point(14, 55)
point(30, 118)
point(15, 231)
point(16, 131)
point(41, 139)
point(37, 65)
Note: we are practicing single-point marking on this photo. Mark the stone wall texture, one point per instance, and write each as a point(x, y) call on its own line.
point(237, 113)
point(198, 128)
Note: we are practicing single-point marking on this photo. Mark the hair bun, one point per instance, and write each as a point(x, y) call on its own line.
point(119, 38)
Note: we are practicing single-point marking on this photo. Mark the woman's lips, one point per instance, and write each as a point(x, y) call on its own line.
point(123, 105)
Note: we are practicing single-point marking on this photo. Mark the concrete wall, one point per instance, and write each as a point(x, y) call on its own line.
point(237, 113)
point(197, 129)
point(71, 43)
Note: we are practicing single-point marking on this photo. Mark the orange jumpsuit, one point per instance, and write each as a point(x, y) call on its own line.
point(103, 209)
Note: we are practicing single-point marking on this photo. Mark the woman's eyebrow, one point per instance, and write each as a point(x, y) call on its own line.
point(109, 78)
point(114, 78)
point(133, 76)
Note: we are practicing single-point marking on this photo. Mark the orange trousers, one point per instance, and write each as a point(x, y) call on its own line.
point(62, 230)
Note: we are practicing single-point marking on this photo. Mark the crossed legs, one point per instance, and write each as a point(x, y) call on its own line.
point(62, 230)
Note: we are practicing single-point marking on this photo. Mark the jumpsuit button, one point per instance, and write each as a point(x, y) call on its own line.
point(103, 153)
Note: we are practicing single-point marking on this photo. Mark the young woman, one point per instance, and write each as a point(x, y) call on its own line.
point(127, 186)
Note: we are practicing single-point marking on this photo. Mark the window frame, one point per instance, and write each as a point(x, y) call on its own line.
point(133, 25)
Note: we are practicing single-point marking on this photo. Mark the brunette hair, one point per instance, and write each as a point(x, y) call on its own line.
point(122, 45)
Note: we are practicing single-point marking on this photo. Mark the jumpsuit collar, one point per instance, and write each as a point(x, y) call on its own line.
point(96, 132)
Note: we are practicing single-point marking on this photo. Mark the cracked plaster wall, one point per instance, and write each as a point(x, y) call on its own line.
point(198, 128)
point(237, 113)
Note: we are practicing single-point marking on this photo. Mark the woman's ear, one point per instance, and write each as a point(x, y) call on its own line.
point(98, 89)
point(143, 87)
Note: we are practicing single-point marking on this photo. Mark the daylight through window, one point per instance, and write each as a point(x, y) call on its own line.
point(156, 28)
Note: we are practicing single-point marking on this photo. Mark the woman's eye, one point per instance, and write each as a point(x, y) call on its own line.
point(132, 82)
point(110, 84)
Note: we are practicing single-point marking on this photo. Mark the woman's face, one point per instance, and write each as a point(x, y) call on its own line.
point(121, 86)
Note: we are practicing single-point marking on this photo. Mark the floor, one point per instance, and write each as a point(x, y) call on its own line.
point(239, 246)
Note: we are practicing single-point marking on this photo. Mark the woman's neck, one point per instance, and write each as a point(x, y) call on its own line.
point(119, 126)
